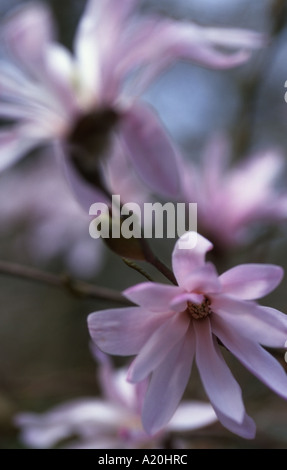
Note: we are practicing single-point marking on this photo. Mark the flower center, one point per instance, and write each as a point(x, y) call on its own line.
point(199, 311)
point(89, 141)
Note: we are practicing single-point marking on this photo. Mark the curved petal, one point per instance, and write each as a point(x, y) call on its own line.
point(246, 429)
point(191, 415)
point(45, 430)
point(14, 145)
point(204, 279)
point(251, 281)
point(156, 297)
point(28, 32)
point(158, 347)
point(263, 325)
point(220, 385)
point(123, 331)
point(187, 256)
point(179, 303)
point(150, 150)
point(258, 361)
point(167, 385)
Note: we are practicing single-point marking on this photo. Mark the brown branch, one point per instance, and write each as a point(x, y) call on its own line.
point(73, 286)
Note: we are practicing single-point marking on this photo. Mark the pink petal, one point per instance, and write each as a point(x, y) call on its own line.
point(156, 297)
point(167, 386)
point(220, 385)
point(158, 347)
point(150, 149)
point(254, 357)
point(28, 32)
point(14, 145)
point(264, 325)
point(251, 281)
point(246, 429)
point(123, 331)
point(187, 260)
point(192, 415)
point(179, 303)
point(204, 279)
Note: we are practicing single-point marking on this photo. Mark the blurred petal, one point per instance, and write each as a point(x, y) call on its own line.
point(185, 261)
point(251, 281)
point(158, 347)
point(167, 386)
point(13, 145)
point(150, 149)
point(254, 357)
point(156, 297)
point(45, 430)
point(191, 415)
point(123, 331)
point(220, 385)
point(263, 325)
point(246, 429)
point(28, 33)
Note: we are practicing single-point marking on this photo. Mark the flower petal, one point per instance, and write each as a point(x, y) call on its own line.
point(220, 385)
point(204, 279)
point(158, 347)
point(167, 385)
point(156, 297)
point(263, 325)
point(191, 415)
point(13, 145)
point(251, 281)
point(43, 431)
point(28, 32)
point(150, 149)
point(123, 331)
point(187, 255)
point(246, 429)
point(254, 357)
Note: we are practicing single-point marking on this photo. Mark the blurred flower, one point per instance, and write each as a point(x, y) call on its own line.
point(175, 324)
point(109, 423)
point(233, 202)
point(79, 101)
point(38, 212)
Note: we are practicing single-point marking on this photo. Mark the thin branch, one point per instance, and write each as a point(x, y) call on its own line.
point(137, 268)
point(73, 286)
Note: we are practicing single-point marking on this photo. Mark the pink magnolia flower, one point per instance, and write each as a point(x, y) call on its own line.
point(112, 422)
point(173, 325)
point(233, 202)
point(82, 100)
point(46, 221)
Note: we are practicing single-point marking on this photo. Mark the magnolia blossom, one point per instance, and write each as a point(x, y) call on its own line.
point(81, 101)
point(38, 210)
point(233, 202)
point(112, 422)
point(173, 325)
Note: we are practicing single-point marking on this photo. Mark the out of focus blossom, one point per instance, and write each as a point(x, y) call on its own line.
point(83, 101)
point(173, 325)
point(112, 422)
point(235, 202)
point(37, 208)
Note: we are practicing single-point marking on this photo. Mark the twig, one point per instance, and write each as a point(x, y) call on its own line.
point(73, 286)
